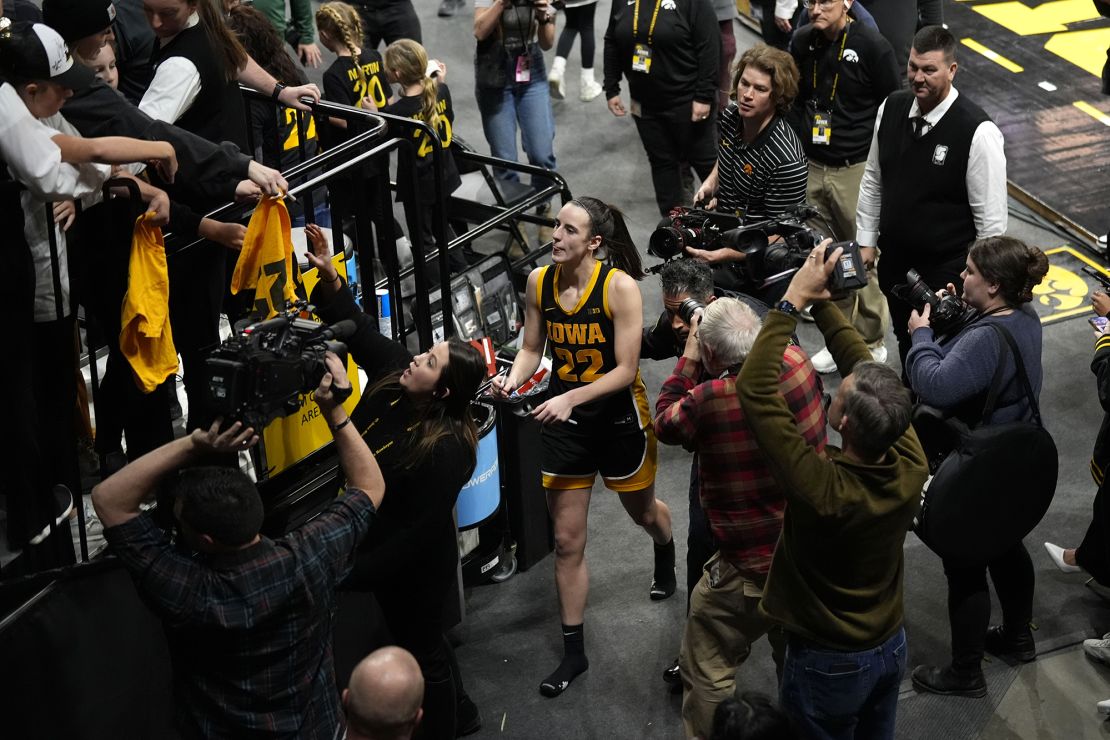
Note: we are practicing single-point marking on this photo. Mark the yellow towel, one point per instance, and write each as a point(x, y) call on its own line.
point(146, 339)
point(266, 261)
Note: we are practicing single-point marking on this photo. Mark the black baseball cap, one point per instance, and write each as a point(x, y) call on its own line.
point(36, 52)
point(76, 19)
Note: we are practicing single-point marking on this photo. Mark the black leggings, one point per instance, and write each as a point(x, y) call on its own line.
point(414, 616)
point(580, 20)
point(969, 602)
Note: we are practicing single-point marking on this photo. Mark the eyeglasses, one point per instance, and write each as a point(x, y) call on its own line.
point(807, 4)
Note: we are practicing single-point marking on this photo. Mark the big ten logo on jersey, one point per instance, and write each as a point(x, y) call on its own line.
point(443, 128)
point(369, 85)
point(293, 126)
point(579, 366)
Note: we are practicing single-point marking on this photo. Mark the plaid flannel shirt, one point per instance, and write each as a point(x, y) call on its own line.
point(250, 631)
point(740, 497)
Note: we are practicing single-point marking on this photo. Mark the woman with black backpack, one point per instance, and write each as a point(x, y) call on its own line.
point(956, 375)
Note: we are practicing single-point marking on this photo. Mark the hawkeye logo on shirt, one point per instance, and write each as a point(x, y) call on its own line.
point(669, 5)
point(850, 56)
point(575, 333)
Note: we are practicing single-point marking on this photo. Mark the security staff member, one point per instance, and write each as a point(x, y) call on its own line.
point(846, 70)
point(935, 179)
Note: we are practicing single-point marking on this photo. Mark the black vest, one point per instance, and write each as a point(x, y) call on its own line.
point(217, 114)
point(925, 215)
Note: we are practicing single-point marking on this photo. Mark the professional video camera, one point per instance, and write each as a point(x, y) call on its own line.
point(259, 372)
point(765, 262)
point(948, 313)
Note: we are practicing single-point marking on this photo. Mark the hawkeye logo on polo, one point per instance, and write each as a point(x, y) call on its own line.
point(669, 5)
point(850, 55)
point(575, 333)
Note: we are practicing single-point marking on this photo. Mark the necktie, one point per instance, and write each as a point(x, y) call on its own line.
point(918, 126)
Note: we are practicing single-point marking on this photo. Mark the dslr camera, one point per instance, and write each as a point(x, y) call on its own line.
point(765, 262)
point(948, 313)
point(259, 373)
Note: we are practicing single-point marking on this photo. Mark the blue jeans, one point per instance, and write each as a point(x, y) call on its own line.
point(838, 695)
point(529, 105)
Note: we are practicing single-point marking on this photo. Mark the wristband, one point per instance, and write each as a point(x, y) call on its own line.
point(787, 308)
point(340, 425)
point(277, 91)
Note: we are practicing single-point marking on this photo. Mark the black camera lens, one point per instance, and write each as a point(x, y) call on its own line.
point(917, 292)
point(667, 241)
point(687, 309)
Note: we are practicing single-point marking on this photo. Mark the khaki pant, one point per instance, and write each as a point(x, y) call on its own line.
point(834, 192)
point(724, 621)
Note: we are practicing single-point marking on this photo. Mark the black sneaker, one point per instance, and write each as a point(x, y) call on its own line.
point(1007, 643)
point(663, 582)
point(672, 675)
point(468, 719)
point(946, 682)
point(62, 501)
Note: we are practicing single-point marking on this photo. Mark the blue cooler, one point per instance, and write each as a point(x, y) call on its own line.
point(479, 498)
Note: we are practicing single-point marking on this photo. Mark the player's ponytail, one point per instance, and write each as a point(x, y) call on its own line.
point(608, 222)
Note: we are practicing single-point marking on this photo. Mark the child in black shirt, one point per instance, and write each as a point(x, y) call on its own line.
point(425, 99)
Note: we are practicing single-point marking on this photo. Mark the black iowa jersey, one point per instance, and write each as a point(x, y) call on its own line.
point(342, 84)
point(581, 341)
point(410, 106)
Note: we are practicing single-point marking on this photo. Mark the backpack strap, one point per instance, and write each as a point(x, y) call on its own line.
point(1009, 345)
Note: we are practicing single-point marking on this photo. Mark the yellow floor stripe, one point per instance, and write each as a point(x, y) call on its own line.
point(1093, 112)
point(994, 56)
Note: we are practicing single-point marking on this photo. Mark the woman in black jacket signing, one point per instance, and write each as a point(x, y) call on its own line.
point(415, 417)
point(669, 51)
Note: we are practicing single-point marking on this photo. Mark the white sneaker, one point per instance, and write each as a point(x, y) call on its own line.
point(878, 353)
point(591, 88)
point(557, 83)
point(1056, 553)
point(823, 362)
point(1098, 649)
point(1104, 708)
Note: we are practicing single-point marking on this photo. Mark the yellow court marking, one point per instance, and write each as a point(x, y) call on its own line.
point(994, 56)
point(1085, 49)
point(1050, 17)
point(1093, 112)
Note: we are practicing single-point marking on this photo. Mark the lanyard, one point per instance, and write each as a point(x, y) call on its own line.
point(636, 20)
point(839, 56)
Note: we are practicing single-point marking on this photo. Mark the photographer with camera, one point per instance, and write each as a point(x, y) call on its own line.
point(698, 409)
point(956, 376)
point(248, 619)
point(415, 415)
point(835, 582)
point(511, 81)
point(761, 167)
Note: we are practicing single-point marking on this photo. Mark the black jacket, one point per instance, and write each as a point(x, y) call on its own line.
point(685, 52)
